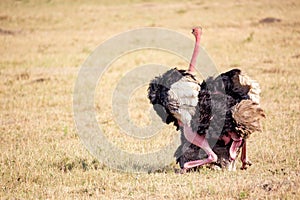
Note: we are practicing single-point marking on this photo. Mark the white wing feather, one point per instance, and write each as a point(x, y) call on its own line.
point(184, 97)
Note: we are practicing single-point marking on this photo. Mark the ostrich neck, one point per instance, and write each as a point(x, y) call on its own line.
point(194, 56)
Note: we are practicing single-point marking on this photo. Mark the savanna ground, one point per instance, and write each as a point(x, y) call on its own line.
point(43, 44)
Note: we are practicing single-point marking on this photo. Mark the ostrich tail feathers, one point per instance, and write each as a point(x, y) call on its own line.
point(254, 89)
point(243, 85)
point(247, 115)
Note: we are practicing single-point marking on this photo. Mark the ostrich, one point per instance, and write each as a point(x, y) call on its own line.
point(199, 109)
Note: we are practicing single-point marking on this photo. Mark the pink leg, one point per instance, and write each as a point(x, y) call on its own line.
point(237, 142)
point(244, 157)
point(200, 141)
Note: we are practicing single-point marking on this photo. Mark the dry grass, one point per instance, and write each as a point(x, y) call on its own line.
point(43, 43)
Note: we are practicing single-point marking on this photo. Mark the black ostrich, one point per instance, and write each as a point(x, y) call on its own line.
point(225, 108)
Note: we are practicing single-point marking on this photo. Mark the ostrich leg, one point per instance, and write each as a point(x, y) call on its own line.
point(244, 157)
point(200, 141)
point(235, 146)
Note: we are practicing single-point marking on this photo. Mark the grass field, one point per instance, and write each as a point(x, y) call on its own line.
point(42, 46)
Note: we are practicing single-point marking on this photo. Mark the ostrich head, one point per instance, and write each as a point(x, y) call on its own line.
point(197, 31)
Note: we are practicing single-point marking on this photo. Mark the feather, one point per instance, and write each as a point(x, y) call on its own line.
point(217, 106)
point(247, 115)
point(254, 89)
point(183, 98)
point(165, 100)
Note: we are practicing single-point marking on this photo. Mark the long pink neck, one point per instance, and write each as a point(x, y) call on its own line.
point(195, 55)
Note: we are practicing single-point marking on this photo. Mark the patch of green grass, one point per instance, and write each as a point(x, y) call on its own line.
point(249, 38)
point(181, 11)
point(243, 195)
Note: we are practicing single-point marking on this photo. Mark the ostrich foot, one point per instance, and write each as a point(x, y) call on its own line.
point(200, 141)
point(196, 163)
point(246, 164)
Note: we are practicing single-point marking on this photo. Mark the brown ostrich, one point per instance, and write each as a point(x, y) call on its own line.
point(225, 108)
